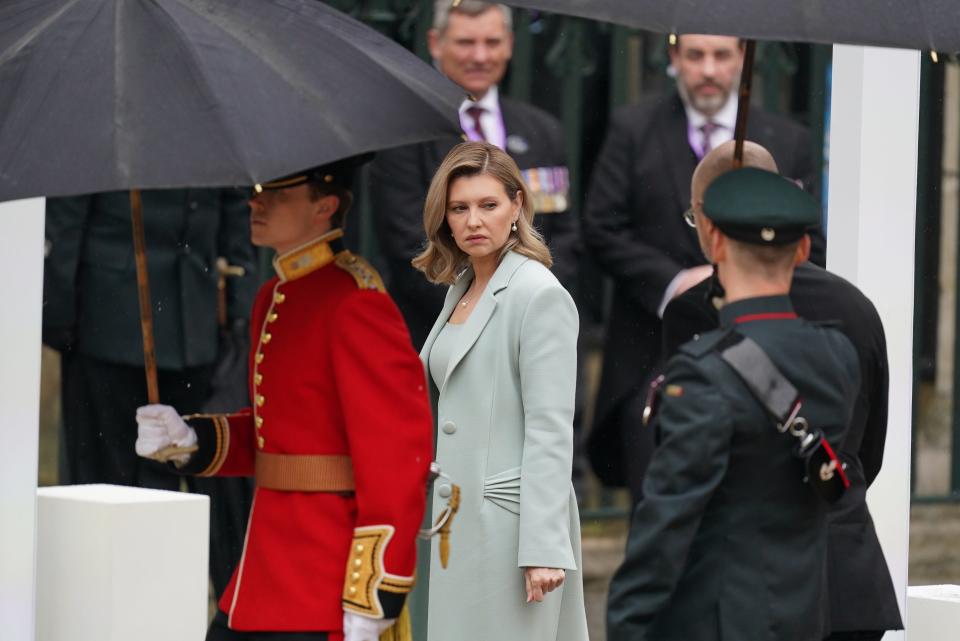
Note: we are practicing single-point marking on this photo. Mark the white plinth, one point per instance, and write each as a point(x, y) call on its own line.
point(933, 613)
point(121, 564)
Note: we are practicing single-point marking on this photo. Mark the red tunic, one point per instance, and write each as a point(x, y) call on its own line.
point(332, 372)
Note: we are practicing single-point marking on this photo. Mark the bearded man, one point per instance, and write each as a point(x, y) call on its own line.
point(633, 225)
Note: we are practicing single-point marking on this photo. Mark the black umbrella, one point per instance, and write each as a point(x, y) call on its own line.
point(102, 95)
point(932, 25)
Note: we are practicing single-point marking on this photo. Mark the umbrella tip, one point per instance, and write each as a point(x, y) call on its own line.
point(258, 188)
point(934, 57)
point(672, 40)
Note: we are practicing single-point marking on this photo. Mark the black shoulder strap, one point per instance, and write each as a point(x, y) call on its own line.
point(777, 394)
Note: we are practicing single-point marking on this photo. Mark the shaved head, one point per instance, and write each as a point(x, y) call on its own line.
point(716, 163)
point(720, 160)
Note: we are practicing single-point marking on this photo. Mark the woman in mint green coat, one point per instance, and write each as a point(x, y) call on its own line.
point(501, 364)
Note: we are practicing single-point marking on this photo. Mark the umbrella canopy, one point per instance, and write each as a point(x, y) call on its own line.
point(909, 24)
point(102, 95)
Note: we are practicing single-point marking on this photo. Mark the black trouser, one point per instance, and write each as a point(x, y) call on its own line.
point(220, 632)
point(100, 401)
point(864, 635)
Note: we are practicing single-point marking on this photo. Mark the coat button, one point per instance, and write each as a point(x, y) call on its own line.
point(449, 427)
point(444, 491)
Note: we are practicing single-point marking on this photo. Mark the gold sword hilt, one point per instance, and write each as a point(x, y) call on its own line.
point(164, 455)
point(452, 506)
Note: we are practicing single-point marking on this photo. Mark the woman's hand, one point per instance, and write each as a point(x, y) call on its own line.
point(542, 580)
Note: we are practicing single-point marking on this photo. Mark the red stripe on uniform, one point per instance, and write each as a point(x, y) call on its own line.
point(767, 316)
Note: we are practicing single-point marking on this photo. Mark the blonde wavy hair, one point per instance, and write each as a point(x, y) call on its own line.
point(442, 260)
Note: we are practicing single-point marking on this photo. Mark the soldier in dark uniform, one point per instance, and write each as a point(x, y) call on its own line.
point(91, 316)
point(862, 601)
point(729, 542)
point(338, 437)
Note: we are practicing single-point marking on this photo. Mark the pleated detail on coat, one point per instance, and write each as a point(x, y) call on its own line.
point(503, 489)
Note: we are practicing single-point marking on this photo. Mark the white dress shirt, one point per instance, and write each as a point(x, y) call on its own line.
point(491, 120)
point(726, 122)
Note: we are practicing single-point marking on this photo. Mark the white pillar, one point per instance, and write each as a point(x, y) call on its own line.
point(21, 286)
point(872, 206)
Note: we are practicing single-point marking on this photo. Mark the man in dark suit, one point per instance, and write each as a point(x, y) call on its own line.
point(729, 540)
point(91, 316)
point(634, 228)
point(471, 44)
point(862, 601)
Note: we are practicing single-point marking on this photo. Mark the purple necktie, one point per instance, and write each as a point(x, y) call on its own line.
point(707, 130)
point(475, 113)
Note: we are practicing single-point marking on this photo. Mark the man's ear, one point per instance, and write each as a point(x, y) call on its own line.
point(433, 43)
point(718, 245)
point(803, 250)
point(326, 206)
point(510, 41)
point(674, 51)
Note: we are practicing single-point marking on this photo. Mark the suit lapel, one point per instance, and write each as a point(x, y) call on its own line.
point(483, 311)
point(453, 295)
point(676, 144)
point(512, 127)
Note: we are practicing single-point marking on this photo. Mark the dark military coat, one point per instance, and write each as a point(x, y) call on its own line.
point(729, 543)
point(90, 280)
point(861, 594)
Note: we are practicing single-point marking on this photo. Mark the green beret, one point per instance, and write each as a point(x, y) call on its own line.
point(760, 207)
point(338, 173)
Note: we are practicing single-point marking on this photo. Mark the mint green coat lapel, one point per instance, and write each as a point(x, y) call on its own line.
point(480, 316)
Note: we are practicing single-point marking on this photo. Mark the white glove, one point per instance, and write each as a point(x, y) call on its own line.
point(160, 426)
point(357, 627)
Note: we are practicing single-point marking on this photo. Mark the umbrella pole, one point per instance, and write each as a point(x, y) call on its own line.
point(743, 106)
point(143, 291)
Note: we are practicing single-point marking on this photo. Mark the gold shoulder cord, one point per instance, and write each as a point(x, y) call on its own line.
point(363, 272)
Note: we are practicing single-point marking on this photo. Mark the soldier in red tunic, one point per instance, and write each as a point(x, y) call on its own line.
point(338, 437)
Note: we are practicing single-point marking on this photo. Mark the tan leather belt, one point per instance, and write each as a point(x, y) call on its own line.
point(304, 473)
